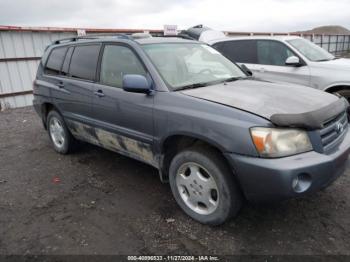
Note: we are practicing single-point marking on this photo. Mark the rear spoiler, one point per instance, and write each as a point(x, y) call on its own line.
point(313, 119)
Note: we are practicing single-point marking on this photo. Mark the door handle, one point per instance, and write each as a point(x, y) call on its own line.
point(262, 69)
point(99, 93)
point(60, 84)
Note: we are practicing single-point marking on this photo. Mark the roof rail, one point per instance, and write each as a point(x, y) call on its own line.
point(70, 39)
point(90, 37)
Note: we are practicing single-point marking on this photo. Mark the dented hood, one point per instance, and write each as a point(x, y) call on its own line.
point(283, 104)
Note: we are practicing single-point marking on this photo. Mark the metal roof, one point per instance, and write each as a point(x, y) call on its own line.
point(75, 29)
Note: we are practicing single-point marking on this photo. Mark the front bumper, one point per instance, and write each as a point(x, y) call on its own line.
point(271, 179)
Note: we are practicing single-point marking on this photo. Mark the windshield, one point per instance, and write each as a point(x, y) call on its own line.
point(187, 64)
point(310, 50)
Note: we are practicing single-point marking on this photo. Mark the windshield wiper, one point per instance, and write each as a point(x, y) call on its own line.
point(323, 60)
point(191, 86)
point(231, 79)
point(197, 85)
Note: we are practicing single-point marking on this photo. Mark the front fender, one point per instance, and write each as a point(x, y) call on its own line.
point(222, 126)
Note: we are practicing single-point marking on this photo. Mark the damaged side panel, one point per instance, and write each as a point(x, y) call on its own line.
point(114, 142)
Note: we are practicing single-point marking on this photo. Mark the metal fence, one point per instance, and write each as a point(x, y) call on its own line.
point(335, 44)
point(22, 47)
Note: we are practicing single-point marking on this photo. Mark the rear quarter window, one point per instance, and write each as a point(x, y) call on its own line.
point(55, 60)
point(84, 62)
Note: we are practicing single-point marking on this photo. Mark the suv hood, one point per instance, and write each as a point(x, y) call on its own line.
point(283, 104)
point(340, 63)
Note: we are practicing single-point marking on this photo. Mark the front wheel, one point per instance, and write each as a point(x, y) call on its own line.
point(204, 186)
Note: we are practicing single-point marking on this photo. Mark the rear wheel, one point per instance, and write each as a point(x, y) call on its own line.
point(61, 138)
point(204, 186)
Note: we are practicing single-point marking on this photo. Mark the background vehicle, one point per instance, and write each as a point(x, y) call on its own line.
point(283, 58)
point(214, 133)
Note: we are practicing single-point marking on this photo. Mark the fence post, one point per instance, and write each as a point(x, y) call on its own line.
point(336, 45)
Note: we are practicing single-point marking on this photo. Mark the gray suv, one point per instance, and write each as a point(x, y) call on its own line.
point(217, 135)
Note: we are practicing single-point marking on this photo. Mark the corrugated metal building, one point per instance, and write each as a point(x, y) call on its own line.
point(20, 54)
point(20, 51)
point(22, 47)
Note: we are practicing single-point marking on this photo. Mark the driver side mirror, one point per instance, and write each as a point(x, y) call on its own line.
point(136, 84)
point(293, 61)
point(246, 70)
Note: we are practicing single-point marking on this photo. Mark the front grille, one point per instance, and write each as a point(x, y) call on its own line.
point(333, 131)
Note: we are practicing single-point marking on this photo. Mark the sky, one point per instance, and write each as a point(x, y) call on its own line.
point(231, 15)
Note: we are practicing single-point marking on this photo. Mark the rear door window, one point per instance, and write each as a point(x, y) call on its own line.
point(240, 51)
point(84, 62)
point(272, 53)
point(55, 61)
point(117, 61)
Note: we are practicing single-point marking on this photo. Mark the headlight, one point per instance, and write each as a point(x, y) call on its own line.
point(279, 142)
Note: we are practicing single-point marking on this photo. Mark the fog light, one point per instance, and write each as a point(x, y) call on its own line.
point(301, 182)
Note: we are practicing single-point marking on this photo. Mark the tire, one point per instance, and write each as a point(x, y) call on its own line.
point(192, 189)
point(345, 93)
point(62, 140)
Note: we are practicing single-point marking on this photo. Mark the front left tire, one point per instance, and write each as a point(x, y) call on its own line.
point(204, 186)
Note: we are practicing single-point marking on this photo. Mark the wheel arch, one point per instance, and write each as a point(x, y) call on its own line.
point(175, 143)
point(337, 87)
point(45, 109)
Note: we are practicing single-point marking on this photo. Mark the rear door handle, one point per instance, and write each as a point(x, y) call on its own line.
point(262, 69)
point(99, 93)
point(60, 84)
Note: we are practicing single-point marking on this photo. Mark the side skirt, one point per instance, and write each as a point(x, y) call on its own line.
point(114, 142)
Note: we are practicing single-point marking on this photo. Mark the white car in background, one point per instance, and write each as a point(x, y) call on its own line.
point(282, 58)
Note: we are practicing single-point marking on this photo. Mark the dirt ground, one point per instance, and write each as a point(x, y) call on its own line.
point(98, 202)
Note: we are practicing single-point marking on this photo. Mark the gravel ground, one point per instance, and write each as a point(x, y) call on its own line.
point(98, 202)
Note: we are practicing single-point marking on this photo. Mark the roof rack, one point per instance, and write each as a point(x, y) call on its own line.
point(181, 35)
point(195, 31)
point(90, 37)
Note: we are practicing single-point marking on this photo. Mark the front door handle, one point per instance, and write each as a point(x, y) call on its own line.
point(99, 93)
point(262, 69)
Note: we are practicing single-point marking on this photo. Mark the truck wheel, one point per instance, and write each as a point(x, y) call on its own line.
point(61, 138)
point(204, 186)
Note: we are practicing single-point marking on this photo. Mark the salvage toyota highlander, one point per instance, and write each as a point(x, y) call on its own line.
point(218, 136)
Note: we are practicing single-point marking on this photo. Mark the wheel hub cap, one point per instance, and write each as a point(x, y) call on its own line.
point(57, 132)
point(197, 188)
